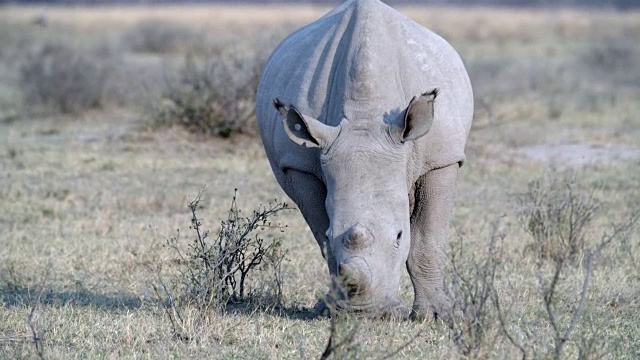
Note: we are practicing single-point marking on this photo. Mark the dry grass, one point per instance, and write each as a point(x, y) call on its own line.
point(492, 24)
point(89, 199)
point(242, 18)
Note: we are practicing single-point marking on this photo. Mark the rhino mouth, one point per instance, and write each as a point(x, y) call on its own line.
point(366, 306)
point(355, 277)
point(356, 292)
point(388, 310)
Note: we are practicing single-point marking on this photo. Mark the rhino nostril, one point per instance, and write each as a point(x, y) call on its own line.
point(355, 274)
point(342, 270)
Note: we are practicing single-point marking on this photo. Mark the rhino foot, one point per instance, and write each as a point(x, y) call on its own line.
point(443, 312)
point(320, 309)
point(396, 312)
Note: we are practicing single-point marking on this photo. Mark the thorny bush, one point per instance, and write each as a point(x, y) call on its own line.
point(216, 273)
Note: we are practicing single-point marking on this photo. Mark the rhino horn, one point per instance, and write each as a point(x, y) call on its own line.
point(279, 105)
point(358, 238)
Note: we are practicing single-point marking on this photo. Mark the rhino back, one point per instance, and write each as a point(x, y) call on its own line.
point(365, 61)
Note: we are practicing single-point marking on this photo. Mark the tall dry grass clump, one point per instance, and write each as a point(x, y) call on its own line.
point(64, 79)
point(213, 96)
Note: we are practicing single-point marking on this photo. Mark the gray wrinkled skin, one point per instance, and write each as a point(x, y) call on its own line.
point(361, 142)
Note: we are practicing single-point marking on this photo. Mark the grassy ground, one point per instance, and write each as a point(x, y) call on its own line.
point(87, 200)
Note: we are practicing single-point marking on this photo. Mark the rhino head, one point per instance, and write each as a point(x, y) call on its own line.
point(364, 165)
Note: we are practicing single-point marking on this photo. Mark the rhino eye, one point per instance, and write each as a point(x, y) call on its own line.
point(398, 238)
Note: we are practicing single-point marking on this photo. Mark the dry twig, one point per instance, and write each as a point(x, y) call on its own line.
point(37, 341)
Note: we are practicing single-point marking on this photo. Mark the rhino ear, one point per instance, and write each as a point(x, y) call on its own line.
point(418, 117)
point(280, 107)
point(305, 130)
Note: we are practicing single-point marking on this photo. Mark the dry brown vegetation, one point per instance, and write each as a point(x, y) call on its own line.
point(544, 250)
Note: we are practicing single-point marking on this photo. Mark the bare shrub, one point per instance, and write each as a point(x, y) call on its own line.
point(472, 289)
point(216, 273)
point(560, 319)
point(61, 78)
point(549, 289)
point(159, 36)
point(269, 287)
point(215, 96)
point(557, 213)
point(565, 320)
point(342, 342)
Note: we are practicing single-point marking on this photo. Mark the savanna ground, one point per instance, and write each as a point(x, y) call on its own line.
point(91, 189)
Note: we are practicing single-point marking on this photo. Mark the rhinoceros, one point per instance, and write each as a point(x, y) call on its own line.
point(364, 115)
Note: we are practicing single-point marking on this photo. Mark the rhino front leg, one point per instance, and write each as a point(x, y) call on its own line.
point(434, 196)
point(309, 193)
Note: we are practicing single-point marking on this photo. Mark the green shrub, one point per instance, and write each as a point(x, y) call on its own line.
point(61, 78)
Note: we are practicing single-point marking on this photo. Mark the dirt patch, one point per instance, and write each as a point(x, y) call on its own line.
point(580, 154)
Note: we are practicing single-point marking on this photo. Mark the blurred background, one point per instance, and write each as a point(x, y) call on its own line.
point(618, 4)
